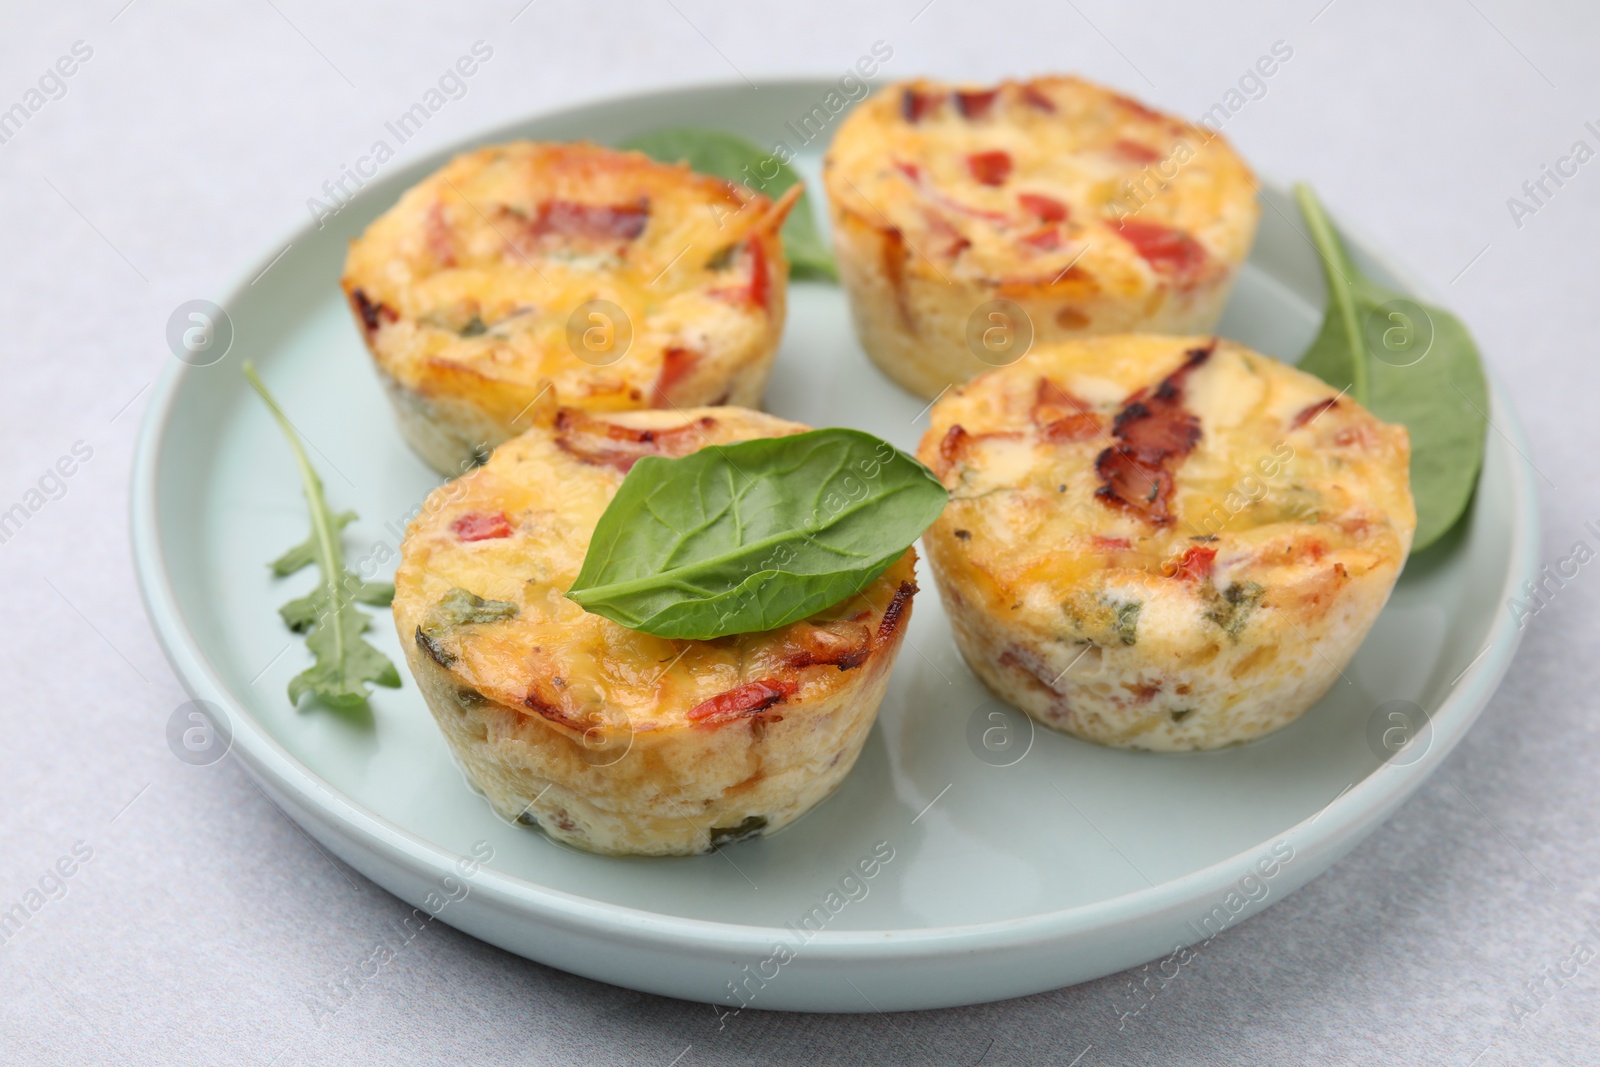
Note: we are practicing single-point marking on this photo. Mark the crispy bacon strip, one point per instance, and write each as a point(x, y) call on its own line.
point(1155, 434)
point(676, 365)
point(975, 104)
point(1168, 251)
point(743, 702)
point(915, 105)
point(819, 647)
point(608, 444)
point(1035, 97)
point(373, 313)
point(568, 218)
point(990, 168)
point(1047, 208)
point(552, 712)
point(894, 268)
point(1134, 151)
point(1311, 411)
point(1130, 104)
point(894, 613)
point(1194, 565)
point(477, 526)
point(1060, 416)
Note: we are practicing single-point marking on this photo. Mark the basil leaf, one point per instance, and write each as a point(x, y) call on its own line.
point(727, 155)
point(755, 535)
point(1406, 362)
point(333, 626)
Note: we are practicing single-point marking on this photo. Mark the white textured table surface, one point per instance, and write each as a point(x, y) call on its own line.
point(204, 927)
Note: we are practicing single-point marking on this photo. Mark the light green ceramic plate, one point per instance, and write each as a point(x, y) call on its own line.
point(1017, 867)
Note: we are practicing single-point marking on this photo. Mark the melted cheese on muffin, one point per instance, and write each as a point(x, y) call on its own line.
point(1089, 211)
point(611, 739)
point(495, 285)
point(1163, 543)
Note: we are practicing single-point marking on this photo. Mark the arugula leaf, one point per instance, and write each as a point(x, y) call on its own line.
point(1406, 362)
point(755, 535)
point(345, 663)
point(727, 155)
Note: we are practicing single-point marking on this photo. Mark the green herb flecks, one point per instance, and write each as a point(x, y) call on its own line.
point(1126, 627)
point(755, 535)
point(727, 155)
point(1231, 608)
point(333, 626)
point(1406, 362)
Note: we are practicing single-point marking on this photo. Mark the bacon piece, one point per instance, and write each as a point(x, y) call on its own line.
point(894, 268)
point(990, 168)
point(373, 314)
point(1311, 411)
point(676, 364)
point(1156, 433)
point(568, 218)
point(1045, 240)
point(820, 647)
point(915, 105)
point(477, 526)
point(743, 702)
point(760, 275)
point(1134, 151)
point(1130, 104)
point(894, 612)
point(1111, 544)
point(552, 712)
point(955, 241)
point(441, 242)
point(914, 174)
point(608, 444)
point(953, 444)
point(1060, 416)
point(1047, 208)
point(1168, 251)
point(975, 104)
point(1193, 566)
point(1035, 97)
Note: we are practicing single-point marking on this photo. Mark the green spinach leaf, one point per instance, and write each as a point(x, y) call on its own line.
point(727, 155)
point(333, 626)
point(755, 535)
point(1406, 362)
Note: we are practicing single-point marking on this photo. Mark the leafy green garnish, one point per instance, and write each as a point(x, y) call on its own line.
point(333, 626)
point(727, 155)
point(1406, 362)
point(755, 535)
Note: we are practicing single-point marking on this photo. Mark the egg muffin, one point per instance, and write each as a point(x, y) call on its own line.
point(970, 223)
point(606, 738)
point(565, 274)
point(1163, 542)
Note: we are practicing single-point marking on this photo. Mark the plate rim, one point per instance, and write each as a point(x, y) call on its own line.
point(1367, 802)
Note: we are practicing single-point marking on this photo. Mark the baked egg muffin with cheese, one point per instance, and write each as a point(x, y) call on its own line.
point(537, 273)
point(607, 738)
point(1163, 542)
point(970, 222)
